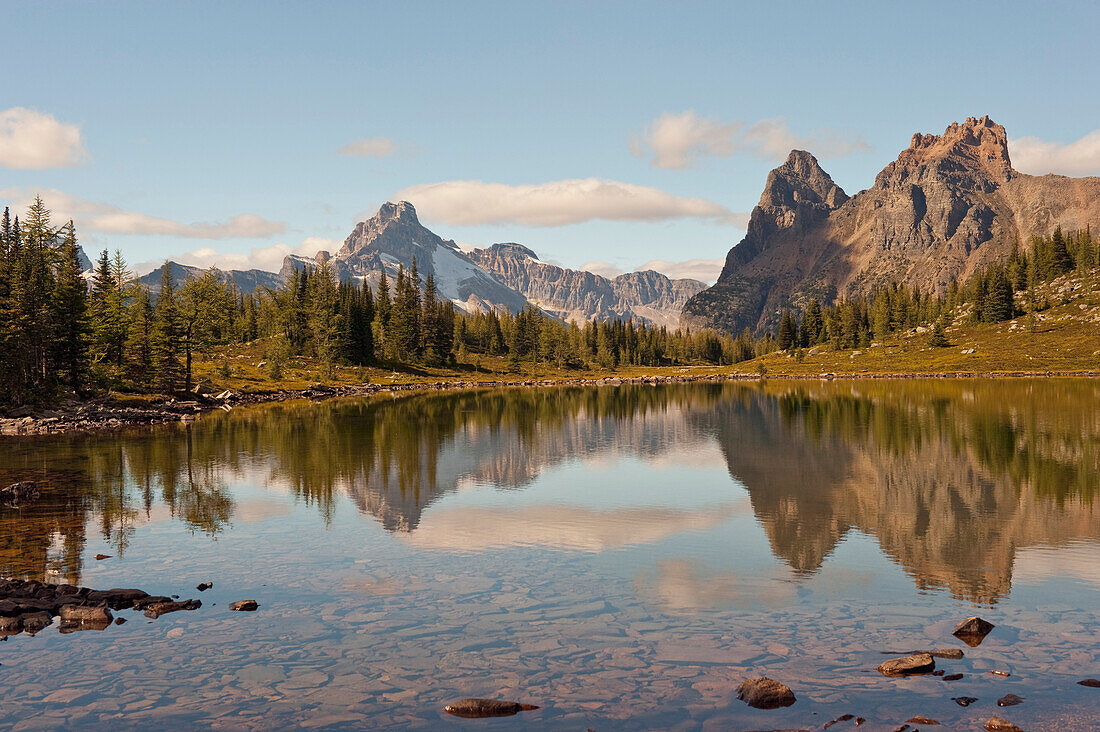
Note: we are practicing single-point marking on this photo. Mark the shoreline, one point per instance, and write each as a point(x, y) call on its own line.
point(92, 417)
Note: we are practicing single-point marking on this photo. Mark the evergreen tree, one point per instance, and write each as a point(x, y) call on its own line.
point(70, 313)
point(165, 340)
point(788, 330)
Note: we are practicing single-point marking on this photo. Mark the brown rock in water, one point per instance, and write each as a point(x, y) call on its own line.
point(973, 631)
point(120, 621)
point(34, 622)
point(838, 720)
point(952, 677)
point(964, 701)
point(951, 653)
point(921, 720)
point(156, 609)
point(922, 663)
point(481, 708)
point(101, 557)
point(204, 586)
point(244, 605)
point(1094, 683)
point(92, 614)
point(765, 693)
point(1000, 673)
point(1010, 700)
point(1000, 724)
point(19, 494)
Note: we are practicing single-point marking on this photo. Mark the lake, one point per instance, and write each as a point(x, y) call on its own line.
point(620, 556)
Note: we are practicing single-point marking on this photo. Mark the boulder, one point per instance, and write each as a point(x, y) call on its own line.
point(34, 622)
point(481, 708)
point(244, 605)
point(765, 693)
point(80, 614)
point(921, 663)
point(19, 494)
point(973, 631)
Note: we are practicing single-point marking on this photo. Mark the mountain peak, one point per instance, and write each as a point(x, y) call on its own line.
point(400, 211)
point(979, 140)
point(801, 180)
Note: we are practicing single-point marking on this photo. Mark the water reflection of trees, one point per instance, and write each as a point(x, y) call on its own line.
point(951, 477)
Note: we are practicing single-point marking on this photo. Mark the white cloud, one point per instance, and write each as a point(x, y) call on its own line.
point(604, 269)
point(1039, 157)
point(31, 140)
point(557, 203)
point(269, 259)
point(676, 141)
point(375, 147)
point(704, 270)
point(105, 218)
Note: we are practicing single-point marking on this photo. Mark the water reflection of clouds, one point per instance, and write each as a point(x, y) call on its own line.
point(560, 527)
point(687, 584)
point(1077, 560)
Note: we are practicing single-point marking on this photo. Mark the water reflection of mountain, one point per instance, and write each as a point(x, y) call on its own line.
point(950, 479)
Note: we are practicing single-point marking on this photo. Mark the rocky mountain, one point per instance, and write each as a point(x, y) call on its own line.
point(580, 295)
point(947, 206)
point(247, 281)
point(394, 236)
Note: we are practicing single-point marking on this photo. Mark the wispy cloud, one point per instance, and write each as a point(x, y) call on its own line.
point(1039, 157)
point(704, 270)
point(603, 269)
point(269, 259)
point(374, 147)
point(556, 203)
point(32, 140)
point(106, 218)
point(677, 141)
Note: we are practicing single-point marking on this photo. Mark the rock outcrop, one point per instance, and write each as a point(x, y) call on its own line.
point(947, 206)
point(579, 295)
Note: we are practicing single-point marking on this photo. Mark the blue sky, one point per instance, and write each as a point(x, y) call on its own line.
point(199, 112)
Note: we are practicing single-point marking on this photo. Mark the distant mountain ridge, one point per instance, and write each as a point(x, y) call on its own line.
point(247, 281)
point(948, 205)
point(580, 295)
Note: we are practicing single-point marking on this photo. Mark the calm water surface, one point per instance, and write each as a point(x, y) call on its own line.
point(620, 556)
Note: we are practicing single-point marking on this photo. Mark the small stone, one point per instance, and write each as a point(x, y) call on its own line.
point(1010, 700)
point(120, 621)
point(1000, 724)
point(1094, 683)
point(952, 653)
point(481, 708)
point(156, 609)
point(204, 586)
point(952, 677)
point(765, 693)
point(973, 631)
point(1000, 673)
point(244, 605)
point(964, 701)
point(101, 557)
point(921, 720)
point(938, 672)
point(922, 663)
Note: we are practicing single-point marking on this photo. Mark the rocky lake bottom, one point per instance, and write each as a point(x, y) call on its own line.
point(620, 557)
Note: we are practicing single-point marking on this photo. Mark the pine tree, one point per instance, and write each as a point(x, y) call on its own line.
point(165, 340)
point(70, 313)
point(788, 330)
point(938, 339)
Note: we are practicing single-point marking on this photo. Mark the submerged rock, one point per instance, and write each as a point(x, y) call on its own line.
point(951, 653)
point(922, 663)
point(101, 557)
point(921, 720)
point(964, 701)
point(156, 609)
point(19, 494)
point(80, 614)
point(765, 693)
point(481, 708)
point(34, 622)
point(244, 605)
point(973, 631)
point(1094, 683)
point(1000, 724)
point(1010, 700)
point(204, 586)
point(952, 677)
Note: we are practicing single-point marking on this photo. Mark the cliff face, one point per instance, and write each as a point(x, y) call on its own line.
point(948, 205)
point(581, 295)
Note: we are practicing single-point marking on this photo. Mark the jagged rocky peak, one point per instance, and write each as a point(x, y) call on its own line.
point(395, 221)
point(511, 249)
point(978, 146)
point(801, 181)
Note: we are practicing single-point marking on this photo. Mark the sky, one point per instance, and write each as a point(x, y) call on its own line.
point(607, 135)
